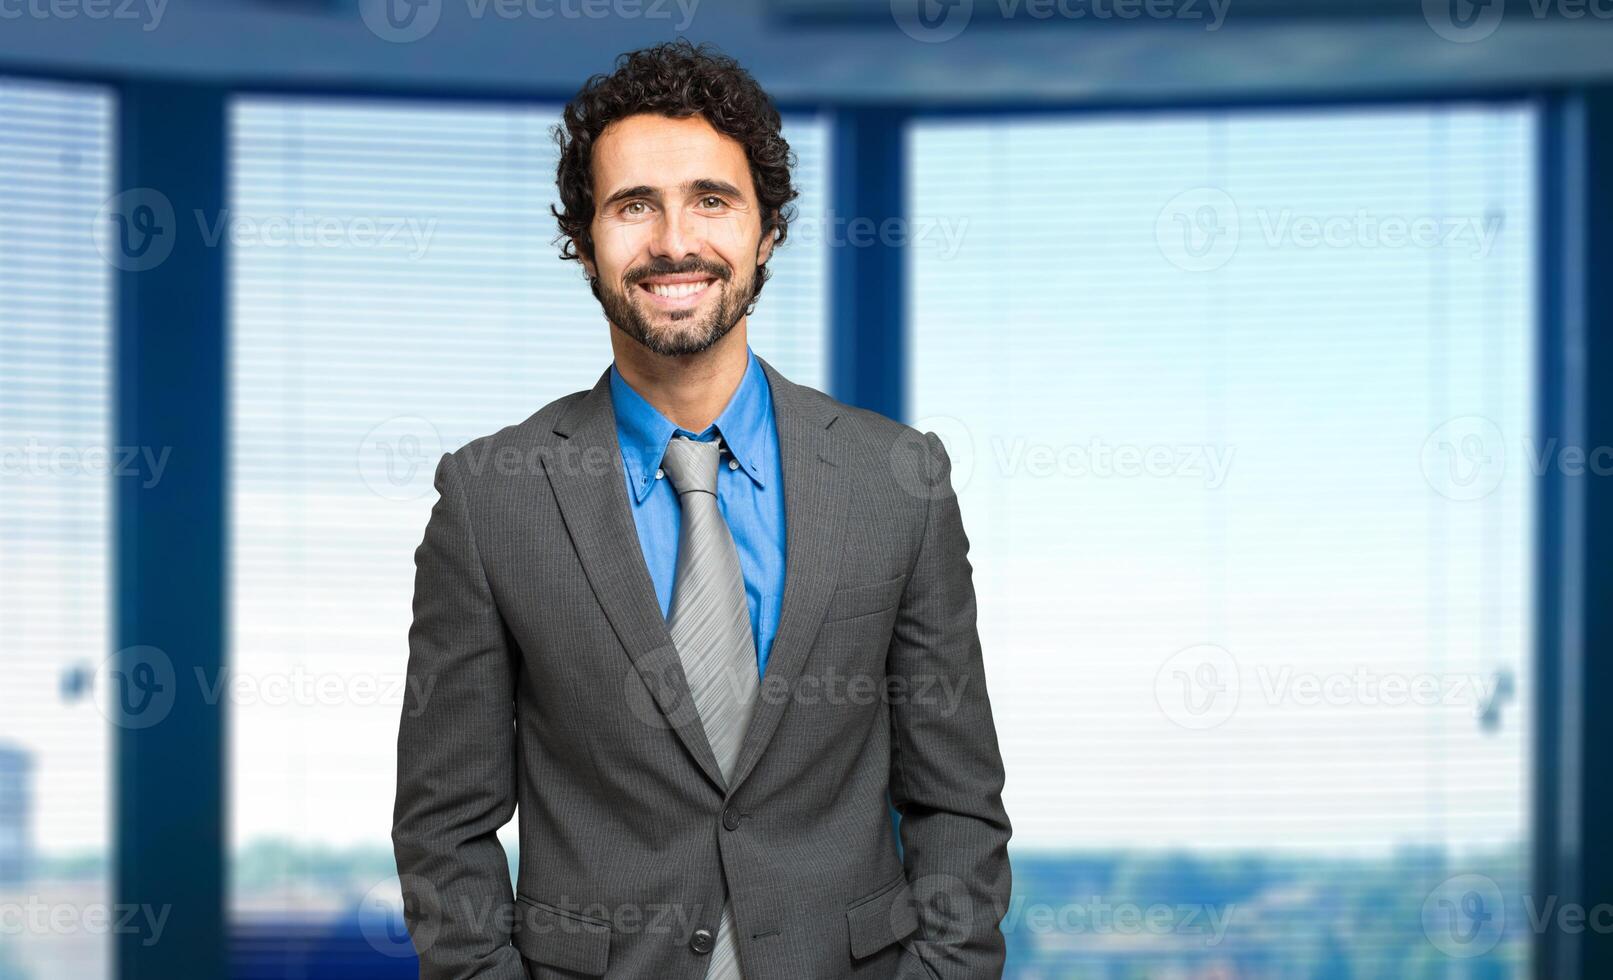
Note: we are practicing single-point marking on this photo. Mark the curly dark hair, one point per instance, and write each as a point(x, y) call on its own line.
point(675, 79)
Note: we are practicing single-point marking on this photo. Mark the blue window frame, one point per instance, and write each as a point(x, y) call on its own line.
point(173, 136)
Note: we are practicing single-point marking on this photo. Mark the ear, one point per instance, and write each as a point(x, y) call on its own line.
point(588, 266)
point(765, 249)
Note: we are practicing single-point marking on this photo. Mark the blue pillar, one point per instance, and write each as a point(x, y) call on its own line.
point(1573, 798)
point(867, 235)
point(170, 837)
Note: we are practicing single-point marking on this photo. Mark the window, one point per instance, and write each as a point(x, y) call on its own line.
point(56, 458)
point(1240, 409)
point(395, 293)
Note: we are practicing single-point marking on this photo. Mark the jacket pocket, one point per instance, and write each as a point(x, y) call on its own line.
point(882, 917)
point(560, 938)
point(860, 600)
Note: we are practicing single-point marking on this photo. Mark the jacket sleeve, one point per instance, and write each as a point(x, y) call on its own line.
point(946, 776)
point(456, 757)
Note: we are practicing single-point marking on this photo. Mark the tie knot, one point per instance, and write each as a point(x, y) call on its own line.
point(691, 464)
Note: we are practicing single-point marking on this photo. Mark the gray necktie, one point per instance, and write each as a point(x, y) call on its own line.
point(711, 628)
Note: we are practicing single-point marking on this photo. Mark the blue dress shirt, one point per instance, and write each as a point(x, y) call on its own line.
point(749, 494)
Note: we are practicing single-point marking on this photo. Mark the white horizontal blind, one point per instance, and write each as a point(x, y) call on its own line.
point(1240, 405)
point(789, 327)
point(355, 362)
point(56, 170)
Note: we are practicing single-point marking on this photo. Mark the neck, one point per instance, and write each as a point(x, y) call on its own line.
point(691, 390)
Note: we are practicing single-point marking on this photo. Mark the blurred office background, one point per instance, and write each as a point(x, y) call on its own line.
point(1267, 338)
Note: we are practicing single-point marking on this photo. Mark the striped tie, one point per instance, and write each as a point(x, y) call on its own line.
point(710, 626)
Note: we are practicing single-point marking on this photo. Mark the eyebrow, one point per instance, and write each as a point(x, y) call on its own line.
point(702, 185)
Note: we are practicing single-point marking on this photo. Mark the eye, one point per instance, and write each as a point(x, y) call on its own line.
point(635, 208)
point(713, 201)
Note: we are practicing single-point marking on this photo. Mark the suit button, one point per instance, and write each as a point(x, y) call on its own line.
point(730, 818)
point(701, 942)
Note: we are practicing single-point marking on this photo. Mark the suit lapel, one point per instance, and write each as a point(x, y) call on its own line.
point(816, 490)
point(591, 487)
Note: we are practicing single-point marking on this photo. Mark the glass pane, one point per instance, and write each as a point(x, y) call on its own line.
point(434, 310)
point(55, 457)
point(1240, 408)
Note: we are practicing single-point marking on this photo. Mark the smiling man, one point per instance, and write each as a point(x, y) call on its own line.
point(711, 636)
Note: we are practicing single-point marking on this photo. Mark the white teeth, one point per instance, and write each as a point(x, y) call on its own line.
point(678, 289)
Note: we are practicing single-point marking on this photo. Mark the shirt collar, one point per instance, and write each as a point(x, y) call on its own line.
point(745, 425)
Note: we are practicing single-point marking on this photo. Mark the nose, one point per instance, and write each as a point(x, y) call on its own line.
point(675, 236)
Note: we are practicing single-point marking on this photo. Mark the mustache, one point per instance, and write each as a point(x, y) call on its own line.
point(643, 272)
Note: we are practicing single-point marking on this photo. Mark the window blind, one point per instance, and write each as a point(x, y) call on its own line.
point(56, 457)
point(1239, 403)
point(355, 362)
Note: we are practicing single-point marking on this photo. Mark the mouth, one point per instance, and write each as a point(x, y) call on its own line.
point(677, 292)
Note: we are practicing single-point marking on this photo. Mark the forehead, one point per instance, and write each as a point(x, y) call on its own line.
point(658, 151)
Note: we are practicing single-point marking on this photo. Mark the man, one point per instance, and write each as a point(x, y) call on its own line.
point(703, 624)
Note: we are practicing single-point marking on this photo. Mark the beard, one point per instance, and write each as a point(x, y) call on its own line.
point(676, 332)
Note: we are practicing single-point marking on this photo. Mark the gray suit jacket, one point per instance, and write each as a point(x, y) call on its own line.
point(541, 673)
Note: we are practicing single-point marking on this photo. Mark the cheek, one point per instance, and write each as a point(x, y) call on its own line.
point(614, 248)
point(734, 239)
